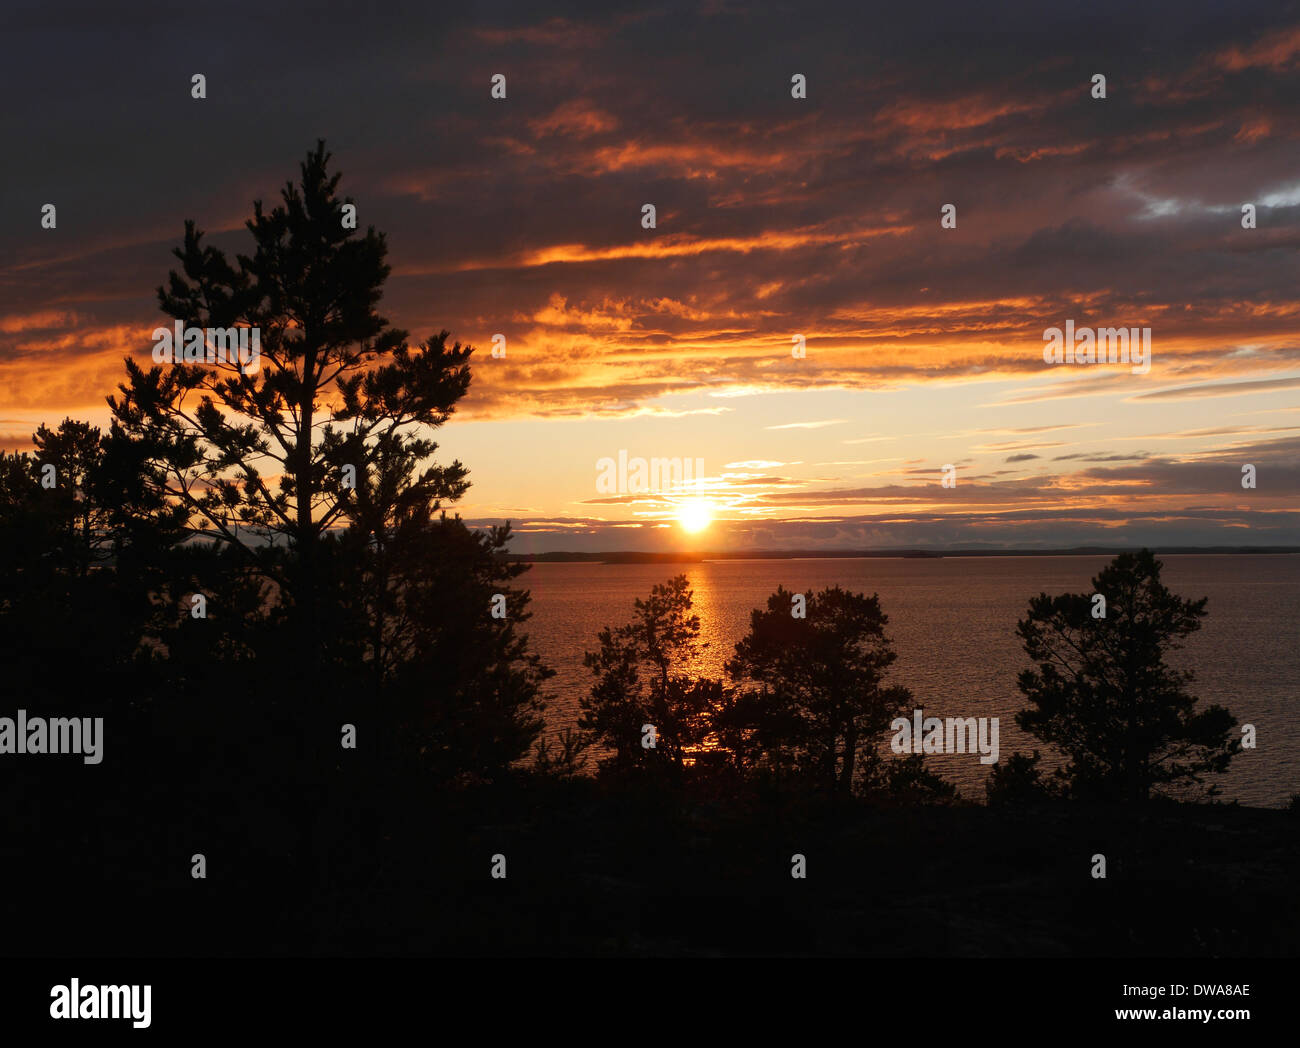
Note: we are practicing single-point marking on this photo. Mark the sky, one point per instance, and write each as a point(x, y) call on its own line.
point(775, 216)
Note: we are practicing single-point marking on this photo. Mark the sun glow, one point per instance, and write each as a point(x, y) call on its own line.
point(695, 515)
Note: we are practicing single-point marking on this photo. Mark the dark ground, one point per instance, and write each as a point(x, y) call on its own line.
point(635, 871)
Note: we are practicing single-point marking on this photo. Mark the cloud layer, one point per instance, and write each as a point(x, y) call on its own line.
point(776, 217)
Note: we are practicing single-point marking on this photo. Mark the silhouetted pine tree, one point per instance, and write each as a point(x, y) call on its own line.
point(341, 591)
point(823, 704)
point(643, 677)
point(1104, 694)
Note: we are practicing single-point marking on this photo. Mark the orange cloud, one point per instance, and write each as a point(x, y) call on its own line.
point(577, 118)
point(1277, 52)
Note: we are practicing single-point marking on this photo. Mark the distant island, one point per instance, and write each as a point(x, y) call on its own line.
point(680, 557)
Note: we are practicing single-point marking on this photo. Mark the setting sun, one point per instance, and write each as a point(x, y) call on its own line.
point(695, 516)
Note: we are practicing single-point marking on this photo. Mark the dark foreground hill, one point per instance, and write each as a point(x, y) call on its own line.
point(645, 872)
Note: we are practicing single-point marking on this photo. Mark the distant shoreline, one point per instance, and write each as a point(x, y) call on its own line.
point(672, 557)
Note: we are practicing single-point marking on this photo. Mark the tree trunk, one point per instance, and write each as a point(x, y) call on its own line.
point(850, 761)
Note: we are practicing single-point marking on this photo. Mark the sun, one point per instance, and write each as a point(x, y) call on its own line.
point(695, 515)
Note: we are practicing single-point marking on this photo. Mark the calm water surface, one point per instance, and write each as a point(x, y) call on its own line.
point(953, 625)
